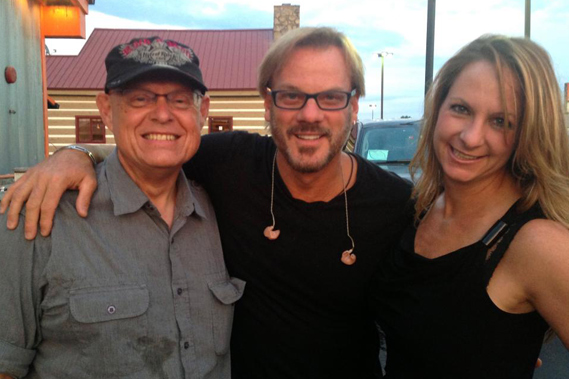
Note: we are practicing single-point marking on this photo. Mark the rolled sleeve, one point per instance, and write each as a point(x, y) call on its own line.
point(20, 298)
point(15, 360)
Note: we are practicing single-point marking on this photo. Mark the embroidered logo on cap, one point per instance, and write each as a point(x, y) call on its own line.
point(157, 52)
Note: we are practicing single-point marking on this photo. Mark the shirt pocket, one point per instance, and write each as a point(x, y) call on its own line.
point(225, 293)
point(111, 325)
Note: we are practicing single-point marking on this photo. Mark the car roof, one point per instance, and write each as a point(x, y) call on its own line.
point(391, 123)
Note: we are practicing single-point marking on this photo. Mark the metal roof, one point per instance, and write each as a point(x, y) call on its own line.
point(228, 58)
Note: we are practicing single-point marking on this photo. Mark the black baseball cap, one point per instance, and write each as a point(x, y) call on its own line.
point(150, 55)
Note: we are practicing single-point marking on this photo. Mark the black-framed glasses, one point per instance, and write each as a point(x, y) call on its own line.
point(327, 100)
point(140, 98)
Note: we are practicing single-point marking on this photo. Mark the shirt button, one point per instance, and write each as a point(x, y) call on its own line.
point(186, 345)
point(111, 309)
point(180, 291)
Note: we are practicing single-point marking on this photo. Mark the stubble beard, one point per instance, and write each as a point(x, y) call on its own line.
point(337, 142)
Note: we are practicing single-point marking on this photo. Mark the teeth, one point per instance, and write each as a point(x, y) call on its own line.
point(460, 155)
point(160, 137)
point(310, 137)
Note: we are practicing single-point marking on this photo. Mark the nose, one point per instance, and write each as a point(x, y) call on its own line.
point(161, 111)
point(310, 112)
point(472, 134)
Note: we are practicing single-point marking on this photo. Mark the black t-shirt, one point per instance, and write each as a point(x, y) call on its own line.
point(440, 322)
point(304, 313)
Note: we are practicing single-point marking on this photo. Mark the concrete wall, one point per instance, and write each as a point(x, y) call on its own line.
point(21, 103)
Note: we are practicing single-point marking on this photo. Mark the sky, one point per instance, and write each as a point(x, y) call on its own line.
point(395, 26)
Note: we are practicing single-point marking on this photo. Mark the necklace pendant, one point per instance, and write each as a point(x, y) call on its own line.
point(271, 233)
point(348, 258)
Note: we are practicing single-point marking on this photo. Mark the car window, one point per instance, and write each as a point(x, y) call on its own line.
point(389, 144)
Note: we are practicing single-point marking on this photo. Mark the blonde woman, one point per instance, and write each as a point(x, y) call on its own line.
point(484, 272)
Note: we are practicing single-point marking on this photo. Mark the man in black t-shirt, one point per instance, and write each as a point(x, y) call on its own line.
point(303, 223)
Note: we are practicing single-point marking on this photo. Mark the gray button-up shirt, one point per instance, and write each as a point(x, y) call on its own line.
point(118, 294)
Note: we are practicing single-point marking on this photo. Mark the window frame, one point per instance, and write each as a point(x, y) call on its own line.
point(92, 121)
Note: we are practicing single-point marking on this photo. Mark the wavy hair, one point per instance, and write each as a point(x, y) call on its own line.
point(315, 37)
point(540, 161)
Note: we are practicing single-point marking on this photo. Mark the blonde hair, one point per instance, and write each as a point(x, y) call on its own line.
point(321, 38)
point(540, 162)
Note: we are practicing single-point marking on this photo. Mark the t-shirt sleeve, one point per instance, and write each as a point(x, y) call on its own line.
point(23, 263)
point(212, 147)
point(218, 155)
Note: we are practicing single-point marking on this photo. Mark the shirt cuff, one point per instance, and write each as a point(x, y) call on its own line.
point(14, 360)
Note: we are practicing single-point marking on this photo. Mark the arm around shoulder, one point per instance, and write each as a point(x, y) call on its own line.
point(100, 151)
point(41, 188)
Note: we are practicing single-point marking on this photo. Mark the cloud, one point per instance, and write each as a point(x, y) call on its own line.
point(95, 19)
point(398, 26)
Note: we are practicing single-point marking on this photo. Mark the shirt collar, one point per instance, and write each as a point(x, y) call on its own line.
point(127, 197)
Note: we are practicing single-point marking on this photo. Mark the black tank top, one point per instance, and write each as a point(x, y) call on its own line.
point(438, 319)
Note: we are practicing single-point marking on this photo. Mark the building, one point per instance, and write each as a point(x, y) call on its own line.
point(228, 58)
point(24, 25)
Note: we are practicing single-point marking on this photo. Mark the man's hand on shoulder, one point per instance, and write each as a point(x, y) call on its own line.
point(42, 186)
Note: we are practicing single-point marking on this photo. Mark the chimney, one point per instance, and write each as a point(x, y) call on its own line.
point(287, 17)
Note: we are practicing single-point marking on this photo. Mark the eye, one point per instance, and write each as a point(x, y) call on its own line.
point(329, 96)
point(332, 99)
point(459, 108)
point(139, 98)
point(291, 95)
point(334, 96)
point(501, 123)
point(290, 98)
point(180, 100)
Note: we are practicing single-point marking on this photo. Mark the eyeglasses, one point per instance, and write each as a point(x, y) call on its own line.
point(327, 100)
point(140, 98)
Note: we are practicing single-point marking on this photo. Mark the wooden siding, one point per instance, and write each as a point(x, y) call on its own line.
point(21, 103)
point(246, 108)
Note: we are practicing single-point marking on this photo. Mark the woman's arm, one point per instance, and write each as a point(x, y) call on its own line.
point(541, 262)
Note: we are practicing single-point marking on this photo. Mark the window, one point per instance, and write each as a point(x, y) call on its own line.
point(220, 124)
point(89, 129)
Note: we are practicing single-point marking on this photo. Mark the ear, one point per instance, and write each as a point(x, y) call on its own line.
point(268, 106)
point(355, 107)
point(204, 111)
point(105, 109)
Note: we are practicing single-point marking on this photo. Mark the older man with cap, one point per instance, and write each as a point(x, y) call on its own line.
point(139, 288)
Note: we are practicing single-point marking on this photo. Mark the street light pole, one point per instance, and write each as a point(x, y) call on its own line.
point(382, 54)
point(431, 6)
point(527, 26)
point(372, 106)
point(382, 57)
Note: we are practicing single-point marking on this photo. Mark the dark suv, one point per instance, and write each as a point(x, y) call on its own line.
point(389, 144)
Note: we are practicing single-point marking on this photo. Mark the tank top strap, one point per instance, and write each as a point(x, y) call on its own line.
point(498, 238)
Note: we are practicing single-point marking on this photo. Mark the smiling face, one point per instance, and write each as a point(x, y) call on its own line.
point(309, 138)
point(472, 141)
point(155, 137)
